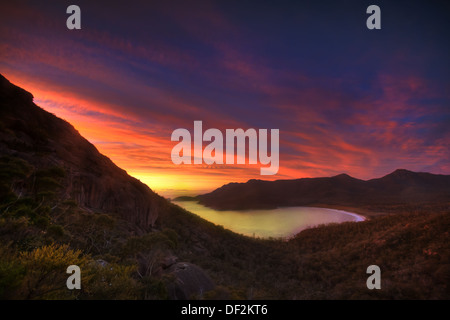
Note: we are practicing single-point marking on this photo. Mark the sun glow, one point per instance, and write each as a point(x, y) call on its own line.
point(173, 185)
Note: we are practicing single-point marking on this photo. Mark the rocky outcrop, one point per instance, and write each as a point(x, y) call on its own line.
point(190, 281)
point(91, 179)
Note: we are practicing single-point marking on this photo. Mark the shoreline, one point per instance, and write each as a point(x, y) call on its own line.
point(346, 216)
point(358, 217)
point(360, 213)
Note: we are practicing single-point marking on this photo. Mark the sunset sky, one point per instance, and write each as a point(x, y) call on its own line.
point(346, 99)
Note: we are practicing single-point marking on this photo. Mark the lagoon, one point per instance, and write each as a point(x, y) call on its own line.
point(276, 223)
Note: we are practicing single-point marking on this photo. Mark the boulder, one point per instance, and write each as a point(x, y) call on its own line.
point(190, 281)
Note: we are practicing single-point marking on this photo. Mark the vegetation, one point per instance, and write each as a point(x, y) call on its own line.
point(329, 262)
point(42, 235)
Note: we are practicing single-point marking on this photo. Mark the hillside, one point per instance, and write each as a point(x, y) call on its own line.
point(58, 194)
point(92, 180)
point(401, 187)
point(63, 203)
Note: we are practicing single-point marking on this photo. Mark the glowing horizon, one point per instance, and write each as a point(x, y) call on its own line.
point(346, 100)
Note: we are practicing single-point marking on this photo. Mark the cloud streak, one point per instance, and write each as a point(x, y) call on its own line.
point(374, 103)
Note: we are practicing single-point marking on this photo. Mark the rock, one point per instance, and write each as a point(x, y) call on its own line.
point(190, 281)
point(169, 261)
point(102, 263)
point(91, 178)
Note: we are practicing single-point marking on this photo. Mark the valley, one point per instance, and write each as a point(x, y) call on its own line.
point(64, 203)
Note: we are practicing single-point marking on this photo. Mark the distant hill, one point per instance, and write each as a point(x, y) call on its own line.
point(399, 187)
point(185, 198)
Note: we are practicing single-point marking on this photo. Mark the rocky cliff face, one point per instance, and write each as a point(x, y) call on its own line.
point(91, 179)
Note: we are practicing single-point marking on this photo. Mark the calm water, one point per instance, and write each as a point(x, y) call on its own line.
point(281, 222)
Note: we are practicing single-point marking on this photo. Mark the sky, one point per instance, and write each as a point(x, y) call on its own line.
point(346, 99)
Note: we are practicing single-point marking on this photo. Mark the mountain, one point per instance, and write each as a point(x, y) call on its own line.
point(398, 188)
point(58, 194)
point(92, 179)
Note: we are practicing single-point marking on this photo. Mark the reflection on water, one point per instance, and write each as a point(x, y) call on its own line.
point(281, 222)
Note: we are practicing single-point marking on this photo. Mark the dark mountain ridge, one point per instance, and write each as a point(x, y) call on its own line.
point(59, 194)
point(92, 179)
point(399, 187)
